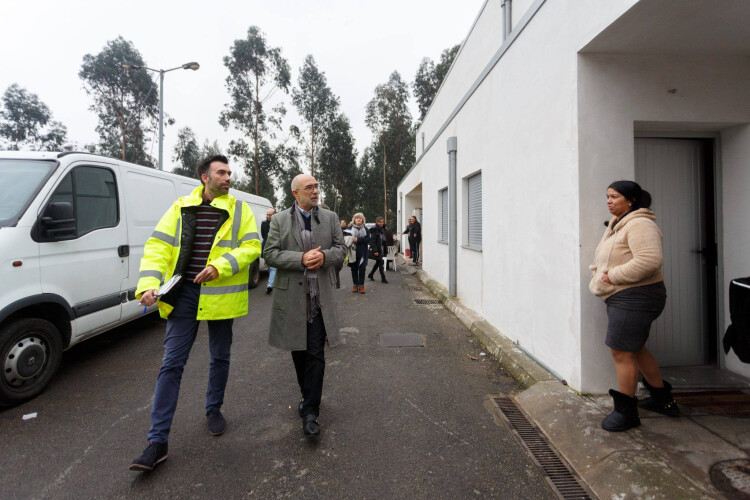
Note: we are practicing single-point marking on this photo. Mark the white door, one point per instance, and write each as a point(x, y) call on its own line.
point(674, 172)
point(87, 270)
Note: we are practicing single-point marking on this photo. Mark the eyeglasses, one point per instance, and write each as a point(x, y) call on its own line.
point(312, 187)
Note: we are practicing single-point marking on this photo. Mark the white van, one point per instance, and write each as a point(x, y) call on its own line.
point(72, 230)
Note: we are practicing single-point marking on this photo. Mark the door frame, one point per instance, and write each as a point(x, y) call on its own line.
point(715, 137)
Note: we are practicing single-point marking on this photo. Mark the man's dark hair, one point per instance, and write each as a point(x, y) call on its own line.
point(378, 219)
point(205, 164)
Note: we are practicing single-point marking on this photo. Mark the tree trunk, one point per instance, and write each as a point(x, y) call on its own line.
point(312, 149)
point(256, 166)
point(385, 191)
point(122, 127)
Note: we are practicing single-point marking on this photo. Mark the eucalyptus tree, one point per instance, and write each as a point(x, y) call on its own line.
point(389, 119)
point(26, 122)
point(430, 76)
point(316, 104)
point(338, 165)
point(187, 153)
point(125, 101)
point(289, 171)
point(257, 72)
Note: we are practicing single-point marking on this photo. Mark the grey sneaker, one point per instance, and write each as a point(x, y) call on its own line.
point(216, 423)
point(153, 455)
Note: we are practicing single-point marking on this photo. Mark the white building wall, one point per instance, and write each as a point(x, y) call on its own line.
point(736, 228)
point(477, 50)
point(615, 91)
point(550, 129)
point(520, 129)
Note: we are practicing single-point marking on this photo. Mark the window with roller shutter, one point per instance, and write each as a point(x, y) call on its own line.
point(443, 204)
point(474, 212)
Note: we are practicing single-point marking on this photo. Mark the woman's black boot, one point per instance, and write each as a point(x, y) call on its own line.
point(625, 415)
point(661, 400)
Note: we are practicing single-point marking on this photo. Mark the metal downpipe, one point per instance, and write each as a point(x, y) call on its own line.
point(452, 216)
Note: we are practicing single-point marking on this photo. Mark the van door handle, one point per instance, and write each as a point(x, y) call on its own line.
point(123, 250)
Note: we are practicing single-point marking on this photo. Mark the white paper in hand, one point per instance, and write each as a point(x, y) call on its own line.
point(166, 287)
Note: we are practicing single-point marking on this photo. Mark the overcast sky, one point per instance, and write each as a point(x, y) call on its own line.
point(357, 43)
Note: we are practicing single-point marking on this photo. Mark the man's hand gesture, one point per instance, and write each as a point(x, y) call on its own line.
point(313, 259)
point(208, 274)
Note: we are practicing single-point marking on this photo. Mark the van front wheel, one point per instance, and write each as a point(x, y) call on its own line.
point(254, 274)
point(30, 353)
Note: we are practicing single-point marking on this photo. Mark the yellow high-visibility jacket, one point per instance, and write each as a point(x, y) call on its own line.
point(236, 245)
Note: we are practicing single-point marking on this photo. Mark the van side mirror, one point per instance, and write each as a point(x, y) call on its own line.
point(58, 222)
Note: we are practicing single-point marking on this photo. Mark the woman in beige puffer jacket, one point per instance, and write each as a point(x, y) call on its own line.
point(627, 276)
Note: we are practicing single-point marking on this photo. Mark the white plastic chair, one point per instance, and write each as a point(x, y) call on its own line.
point(391, 257)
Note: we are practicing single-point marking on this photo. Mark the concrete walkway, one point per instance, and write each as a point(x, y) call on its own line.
point(665, 458)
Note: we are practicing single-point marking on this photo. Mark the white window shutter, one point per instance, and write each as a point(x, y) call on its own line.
point(474, 218)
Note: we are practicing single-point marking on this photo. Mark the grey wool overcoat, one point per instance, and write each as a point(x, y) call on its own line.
point(284, 251)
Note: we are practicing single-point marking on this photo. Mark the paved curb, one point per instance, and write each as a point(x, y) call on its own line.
point(614, 465)
point(520, 366)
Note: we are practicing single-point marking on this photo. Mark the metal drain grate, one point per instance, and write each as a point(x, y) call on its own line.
point(427, 301)
point(415, 288)
point(558, 475)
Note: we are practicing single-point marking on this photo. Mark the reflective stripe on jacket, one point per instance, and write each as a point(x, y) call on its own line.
point(236, 245)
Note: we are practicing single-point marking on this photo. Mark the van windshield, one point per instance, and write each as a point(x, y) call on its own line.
point(22, 180)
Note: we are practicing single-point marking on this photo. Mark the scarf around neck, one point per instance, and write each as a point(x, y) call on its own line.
point(312, 291)
point(359, 231)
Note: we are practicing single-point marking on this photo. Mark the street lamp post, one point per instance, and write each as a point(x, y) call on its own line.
point(191, 65)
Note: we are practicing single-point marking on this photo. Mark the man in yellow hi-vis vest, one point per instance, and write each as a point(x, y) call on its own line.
point(209, 238)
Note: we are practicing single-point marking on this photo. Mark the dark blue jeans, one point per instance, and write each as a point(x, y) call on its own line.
point(182, 328)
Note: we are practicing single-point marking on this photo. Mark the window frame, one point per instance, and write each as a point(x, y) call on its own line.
point(443, 194)
point(75, 199)
point(467, 244)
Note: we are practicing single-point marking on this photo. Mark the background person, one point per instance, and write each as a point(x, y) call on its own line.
point(358, 254)
point(627, 275)
point(213, 288)
point(379, 247)
point(340, 266)
point(305, 243)
point(414, 229)
point(264, 226)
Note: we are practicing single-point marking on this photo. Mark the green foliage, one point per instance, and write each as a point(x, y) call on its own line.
point(338, 166)
point(256, 72)
point(389, 119)
point(26, 123)
point(290, 171)
point(125, 101)
point(187, 153)
point(367, 194)
point(430, 76)
point(316, 104)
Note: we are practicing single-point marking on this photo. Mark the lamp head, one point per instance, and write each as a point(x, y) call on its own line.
point(130, 65)
point(191, 65)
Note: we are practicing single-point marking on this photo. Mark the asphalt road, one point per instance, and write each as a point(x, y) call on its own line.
point(396, 422)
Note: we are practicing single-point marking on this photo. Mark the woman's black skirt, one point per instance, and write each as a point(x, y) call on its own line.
point(631, 313)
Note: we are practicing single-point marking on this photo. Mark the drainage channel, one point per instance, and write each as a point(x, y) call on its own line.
point(563, 481)
point(426, 301)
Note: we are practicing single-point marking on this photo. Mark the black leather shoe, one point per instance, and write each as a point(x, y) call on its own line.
point(310, 426)
point(216, 423)
point(152, 456)
point(384, 281)
point(371, 278)
point(269, 289)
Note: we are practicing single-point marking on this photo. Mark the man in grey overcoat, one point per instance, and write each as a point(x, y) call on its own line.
point(305, 244)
